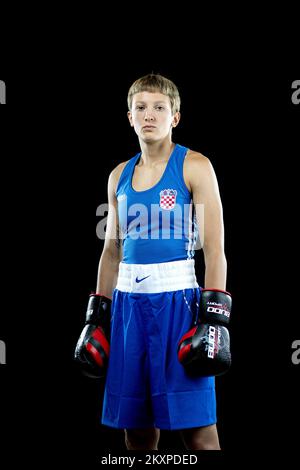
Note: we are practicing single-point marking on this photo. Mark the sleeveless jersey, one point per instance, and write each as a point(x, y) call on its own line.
point(157, 225)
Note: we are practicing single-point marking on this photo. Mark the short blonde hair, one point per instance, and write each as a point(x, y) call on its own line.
point(155, 83)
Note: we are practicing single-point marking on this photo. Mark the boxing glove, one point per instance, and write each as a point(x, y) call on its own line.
point(205, 348)
point(92, 348)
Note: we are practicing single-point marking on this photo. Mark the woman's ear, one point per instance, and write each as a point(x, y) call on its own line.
point(176, 119)
point(129, 115)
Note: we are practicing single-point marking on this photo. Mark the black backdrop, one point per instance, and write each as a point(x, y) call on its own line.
point(59, 146)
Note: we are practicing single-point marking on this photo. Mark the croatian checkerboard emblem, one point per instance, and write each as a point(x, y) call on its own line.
point(167, 199)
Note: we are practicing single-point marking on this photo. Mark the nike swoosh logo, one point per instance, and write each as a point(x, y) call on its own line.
point(140, 280)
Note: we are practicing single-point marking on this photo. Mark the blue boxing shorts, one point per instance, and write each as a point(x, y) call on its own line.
point(153, 306)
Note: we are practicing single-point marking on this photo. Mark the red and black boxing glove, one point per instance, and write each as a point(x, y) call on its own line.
point(205, 348)
point(92, 349)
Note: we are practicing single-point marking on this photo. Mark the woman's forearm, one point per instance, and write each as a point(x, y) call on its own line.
point(107, 274)
point(215, 270)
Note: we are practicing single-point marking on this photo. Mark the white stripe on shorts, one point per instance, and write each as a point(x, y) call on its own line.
point(154, 278)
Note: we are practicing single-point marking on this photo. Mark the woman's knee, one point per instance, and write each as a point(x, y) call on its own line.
point(205, 438)
point(143, 439)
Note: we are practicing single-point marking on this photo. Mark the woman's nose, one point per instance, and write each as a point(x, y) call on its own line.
point(148, 116)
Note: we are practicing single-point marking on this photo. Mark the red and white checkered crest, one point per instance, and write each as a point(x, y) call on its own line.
point(167, 199)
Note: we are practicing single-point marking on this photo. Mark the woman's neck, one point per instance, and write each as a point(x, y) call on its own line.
point(155, 152)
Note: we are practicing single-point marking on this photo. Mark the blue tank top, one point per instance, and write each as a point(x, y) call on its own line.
point(157, 225)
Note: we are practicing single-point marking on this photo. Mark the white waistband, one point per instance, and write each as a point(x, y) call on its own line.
point(160, 277)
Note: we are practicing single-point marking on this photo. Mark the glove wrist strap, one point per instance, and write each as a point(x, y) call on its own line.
point(98, 310)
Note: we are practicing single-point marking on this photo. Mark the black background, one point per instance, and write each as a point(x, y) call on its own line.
point(62, 132)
